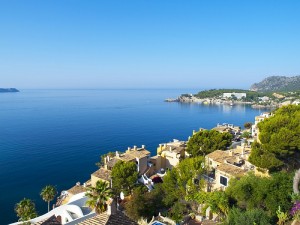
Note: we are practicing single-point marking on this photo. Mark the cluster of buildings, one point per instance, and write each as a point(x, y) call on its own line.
point(221, 166)
point(234, 95)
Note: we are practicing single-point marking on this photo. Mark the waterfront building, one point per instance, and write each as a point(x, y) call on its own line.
point(233, 94)
point(258, 119)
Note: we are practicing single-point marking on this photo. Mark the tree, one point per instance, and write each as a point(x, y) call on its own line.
point(180, 181)
point(25, 210)
point(249, 217)
point(266, 193)
point(124, 176)
point(171, 187)
point(246, 134)
point(48, 193)
point(263, 158)
point(279, 137)
point(248, 125)
point(144, 204)
point(177, 212)
point(207, 141)
point(98, 196)
point(218, 202)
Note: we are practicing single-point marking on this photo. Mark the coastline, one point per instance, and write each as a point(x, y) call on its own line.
point(217, 101)
point(8, 90)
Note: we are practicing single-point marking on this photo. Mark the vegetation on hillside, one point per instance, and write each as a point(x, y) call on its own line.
point(277, 84)
point(266, 193)
point(217, 93)
point(280, 139)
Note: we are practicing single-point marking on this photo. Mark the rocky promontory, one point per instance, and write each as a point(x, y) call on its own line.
point(5, 90)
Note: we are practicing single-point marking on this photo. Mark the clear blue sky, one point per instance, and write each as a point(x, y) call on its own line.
point(147, 43)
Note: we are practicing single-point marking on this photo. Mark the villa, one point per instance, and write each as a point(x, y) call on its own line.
point(168, 155)
point(228, 128)
point(140, 156)
point(224, 165)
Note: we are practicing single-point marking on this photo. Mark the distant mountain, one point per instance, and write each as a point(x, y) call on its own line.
point(4, 90)
point(277, 83)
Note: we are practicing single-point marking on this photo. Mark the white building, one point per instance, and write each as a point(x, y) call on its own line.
point(237, 95)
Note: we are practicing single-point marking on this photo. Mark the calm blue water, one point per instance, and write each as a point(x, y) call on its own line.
point(56, 136)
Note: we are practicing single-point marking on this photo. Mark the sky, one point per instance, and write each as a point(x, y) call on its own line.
point(147, 43)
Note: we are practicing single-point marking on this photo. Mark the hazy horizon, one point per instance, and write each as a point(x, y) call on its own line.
point(147, 44)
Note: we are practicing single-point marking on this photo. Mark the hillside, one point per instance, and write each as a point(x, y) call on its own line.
point(277, 83)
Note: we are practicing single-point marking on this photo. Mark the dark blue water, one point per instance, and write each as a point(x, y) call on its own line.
point(57, 136)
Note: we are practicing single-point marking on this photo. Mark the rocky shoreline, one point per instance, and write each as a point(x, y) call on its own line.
point(216, 101)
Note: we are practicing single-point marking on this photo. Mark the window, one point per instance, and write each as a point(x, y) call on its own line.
point(223, 181)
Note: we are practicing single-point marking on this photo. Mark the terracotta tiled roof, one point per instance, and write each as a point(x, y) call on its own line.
point(50, 221)
point(96, 220)
point(219, 156)
point(103, 219)
point(77, 189)
point(175, 149)
point(231, 169)
point(111, 163)
point(103, 174)
point(132, 154)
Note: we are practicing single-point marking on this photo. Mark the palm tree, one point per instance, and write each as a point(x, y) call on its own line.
point(25, 210)
point(98, 196)
point(48, 193)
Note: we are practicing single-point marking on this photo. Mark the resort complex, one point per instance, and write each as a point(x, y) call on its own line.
point(199, 172)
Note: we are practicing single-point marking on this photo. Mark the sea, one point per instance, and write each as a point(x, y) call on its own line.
point(56, 136)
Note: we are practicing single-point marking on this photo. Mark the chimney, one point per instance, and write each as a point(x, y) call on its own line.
point(143, 147)
point(117, 154)
point(108, 158)
point(128, 148)
point(135, 148)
